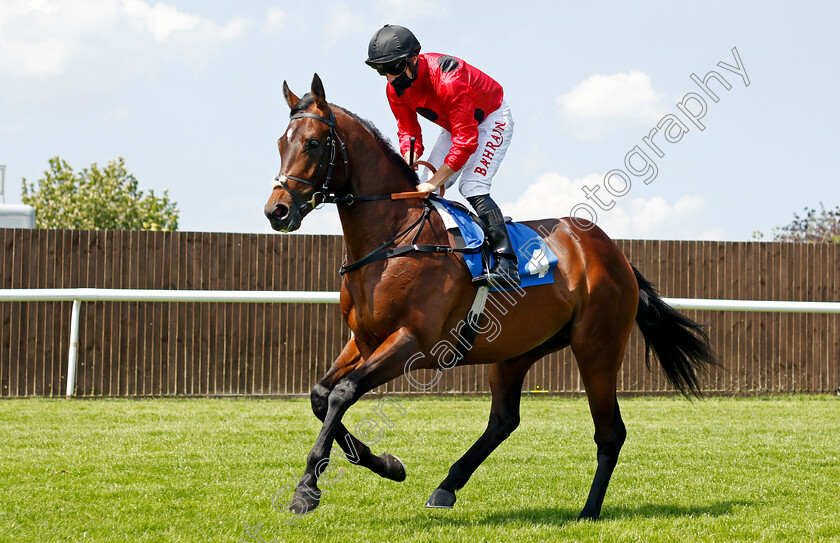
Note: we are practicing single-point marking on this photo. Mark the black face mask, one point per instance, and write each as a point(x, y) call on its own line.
point(402, 82)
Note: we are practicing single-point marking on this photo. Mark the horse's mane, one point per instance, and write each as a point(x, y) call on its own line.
point(399, 162)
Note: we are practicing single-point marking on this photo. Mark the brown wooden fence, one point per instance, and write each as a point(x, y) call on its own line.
point(143, 349)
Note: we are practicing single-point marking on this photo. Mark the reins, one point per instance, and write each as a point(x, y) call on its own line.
point(333, 142)
point(350, 199)
point(380, 253)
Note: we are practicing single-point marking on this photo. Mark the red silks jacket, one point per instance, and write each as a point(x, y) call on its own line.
point(450, 93)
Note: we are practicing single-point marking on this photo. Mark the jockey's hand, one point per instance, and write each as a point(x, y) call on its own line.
point(438, 179)
point(407, 157)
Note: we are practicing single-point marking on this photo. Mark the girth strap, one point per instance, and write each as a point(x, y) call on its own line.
point(468, 328)
point(396, 251)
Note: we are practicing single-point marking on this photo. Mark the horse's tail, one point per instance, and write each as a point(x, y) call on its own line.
point(680, 344)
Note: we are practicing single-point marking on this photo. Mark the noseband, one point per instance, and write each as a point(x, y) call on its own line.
point(330, 152)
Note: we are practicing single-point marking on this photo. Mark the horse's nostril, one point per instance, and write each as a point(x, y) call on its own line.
point(281, 211)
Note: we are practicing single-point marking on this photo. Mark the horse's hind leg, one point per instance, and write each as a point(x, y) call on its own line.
point(599, 361)
point(609, 436)
point(506, 380)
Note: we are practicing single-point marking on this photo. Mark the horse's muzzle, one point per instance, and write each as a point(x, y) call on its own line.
point(282, 218)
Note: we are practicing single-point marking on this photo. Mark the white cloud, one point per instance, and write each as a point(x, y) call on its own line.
point(161, 20)
point(554, 195)
point(399, 11)
point(657, 219)
point(50, 38)
point(37, 38)
point(602, 104)
point(344, 21)
point(275, 19)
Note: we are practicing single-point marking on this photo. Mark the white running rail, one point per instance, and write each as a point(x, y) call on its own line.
point(79, 295)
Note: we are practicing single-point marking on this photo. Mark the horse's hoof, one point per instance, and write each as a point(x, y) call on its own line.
point(441, 499)
point(305, 500)
point(394, 468)
point(588, 515)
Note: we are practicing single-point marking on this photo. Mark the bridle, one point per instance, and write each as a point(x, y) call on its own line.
point(332, 144)
point(327, 196)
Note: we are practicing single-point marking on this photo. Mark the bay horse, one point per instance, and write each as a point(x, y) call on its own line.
point(401, 306)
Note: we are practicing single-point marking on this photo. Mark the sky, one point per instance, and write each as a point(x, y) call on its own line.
point(189, 92)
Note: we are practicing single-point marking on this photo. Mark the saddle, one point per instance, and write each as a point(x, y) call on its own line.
point(468, 232)
point(536, 260)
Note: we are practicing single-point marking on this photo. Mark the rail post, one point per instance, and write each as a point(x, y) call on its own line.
point(74, 349)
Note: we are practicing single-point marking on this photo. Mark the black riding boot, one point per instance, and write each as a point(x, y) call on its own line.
point(504, 272)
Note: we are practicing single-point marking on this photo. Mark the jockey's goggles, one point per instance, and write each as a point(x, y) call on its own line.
point(392, 68)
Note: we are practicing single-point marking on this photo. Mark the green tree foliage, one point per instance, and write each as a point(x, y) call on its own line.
point(97, 199)
point(812, 226)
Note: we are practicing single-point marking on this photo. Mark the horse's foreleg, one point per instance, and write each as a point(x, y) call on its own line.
point(356, 451)
point(383, 365)
point(506, 380)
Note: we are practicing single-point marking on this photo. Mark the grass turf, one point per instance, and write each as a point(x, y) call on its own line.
point(723, 469)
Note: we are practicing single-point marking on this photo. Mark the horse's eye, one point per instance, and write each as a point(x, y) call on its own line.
point(312, 143)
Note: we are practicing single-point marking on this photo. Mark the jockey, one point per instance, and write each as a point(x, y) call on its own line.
point(476, 127)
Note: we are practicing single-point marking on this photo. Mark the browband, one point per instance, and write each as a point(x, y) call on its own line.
point(329, 122)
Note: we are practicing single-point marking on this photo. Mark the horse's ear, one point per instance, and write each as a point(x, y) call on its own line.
point(291, 99)
point(318, 90)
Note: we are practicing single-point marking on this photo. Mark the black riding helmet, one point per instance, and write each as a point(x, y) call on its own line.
point(391, 43)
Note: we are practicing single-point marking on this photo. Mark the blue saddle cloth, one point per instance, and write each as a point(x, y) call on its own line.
point(536, 260)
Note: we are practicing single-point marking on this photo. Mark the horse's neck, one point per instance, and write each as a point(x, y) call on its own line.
point(374, 171)
point(368, 224)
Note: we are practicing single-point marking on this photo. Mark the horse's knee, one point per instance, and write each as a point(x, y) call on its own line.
point(319, 400)
point(342, 395)
point(504, 425)
point(619, 431)
point(610, 446)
